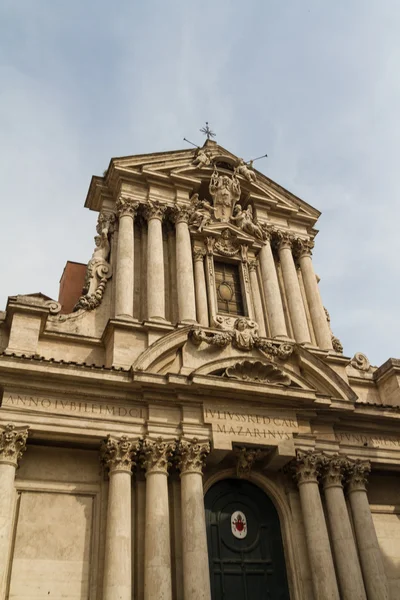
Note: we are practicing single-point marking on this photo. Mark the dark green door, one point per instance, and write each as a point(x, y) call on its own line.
point(244, 543)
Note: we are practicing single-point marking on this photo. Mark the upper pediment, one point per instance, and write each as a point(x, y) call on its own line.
point(193, 169)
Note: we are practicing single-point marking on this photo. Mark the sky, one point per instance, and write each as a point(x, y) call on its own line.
point(314, 84)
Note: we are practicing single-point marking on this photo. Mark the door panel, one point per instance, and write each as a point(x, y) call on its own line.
point(252, 567)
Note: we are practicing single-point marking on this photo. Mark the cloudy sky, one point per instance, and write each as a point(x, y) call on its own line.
point(315, 84)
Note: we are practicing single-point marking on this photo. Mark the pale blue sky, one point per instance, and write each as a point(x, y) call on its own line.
point(313, 83)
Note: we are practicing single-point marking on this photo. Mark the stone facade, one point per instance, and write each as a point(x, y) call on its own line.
point(199, 350)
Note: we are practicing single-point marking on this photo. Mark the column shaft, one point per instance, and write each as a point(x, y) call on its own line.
point(344, 548)
point(118, 555)
point(318, 316)
point(12, 446)
point(258, 308)
point(272, 292)
point(124, 285)
point(372, 566)
point(155, 264)
point(293, 294)
point(200, 287)
point(196, 576)
point(319, 550)
point(184, 271)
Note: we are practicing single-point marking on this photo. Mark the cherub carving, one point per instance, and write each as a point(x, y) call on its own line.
point(202, 212)
point(245, 171)
point(245, 333)
point(245, 220)
point(202, 158)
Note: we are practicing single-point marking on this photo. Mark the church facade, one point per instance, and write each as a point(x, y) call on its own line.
point(187, 426)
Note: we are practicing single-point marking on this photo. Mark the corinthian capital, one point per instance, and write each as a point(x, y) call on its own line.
point(118, 454)
point(156, 455)
point(192, 455)
point(253, 264)
point(357, 475)
point(199, 254)
point(304, 247)
point(12, 444)
point(126, 207)
point(181, 214)
point(154, 210)
point(333, 471)
point(306, 467)
point(283, 239)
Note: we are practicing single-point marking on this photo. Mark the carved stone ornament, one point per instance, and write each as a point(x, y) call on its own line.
point(156, 455)
point(201, 213)
point(306, 467)
point(360, 362)
point(191, 455)
point(333, 470)
point(181, 214)
point(225, 191)
point(227, 244)
point(253, 265)
point(244, 219)
point(303, 247)
point(246, 170)
point(199, 254)
point(12, 444)
point(119, 454)
point(245, 459)
point(357, 475)
point(337, 345)
point(106, 220)
point(258, 372)
point(126, 207)
point(283, 239)
point(202, 158)
point(154, 210)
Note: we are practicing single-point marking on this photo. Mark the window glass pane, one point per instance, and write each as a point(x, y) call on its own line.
point(229, 291)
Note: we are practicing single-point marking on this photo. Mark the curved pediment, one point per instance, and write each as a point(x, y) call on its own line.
point(180, 353)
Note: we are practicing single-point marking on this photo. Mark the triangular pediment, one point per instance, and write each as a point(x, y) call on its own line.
point(223, 229)
point(184, 167)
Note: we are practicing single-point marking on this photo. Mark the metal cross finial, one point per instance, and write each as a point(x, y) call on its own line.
point(207, 131)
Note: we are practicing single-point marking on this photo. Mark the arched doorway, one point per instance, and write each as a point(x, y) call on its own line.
point(244, 543)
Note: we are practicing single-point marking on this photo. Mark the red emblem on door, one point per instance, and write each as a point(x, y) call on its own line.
point(239, 524)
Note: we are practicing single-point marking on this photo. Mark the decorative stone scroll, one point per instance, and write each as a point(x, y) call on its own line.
point(360, 362)
point(12, 443)
point(156, 455)
point(258, 372)
point(119, 454)
point(191, 455)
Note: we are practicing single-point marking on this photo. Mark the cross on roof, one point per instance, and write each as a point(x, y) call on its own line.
point(207, 131)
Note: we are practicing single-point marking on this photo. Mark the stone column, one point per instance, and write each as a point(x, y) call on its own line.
point(368, 547)
point(272, 292)
point(155, 262)
point(200, 286)
point(126, 209)
point(255, 289)
point(307, 470)
point(184, 267)
point(157, 552)
point(292, 287)
point(196, 576)
point(318, 316)
point(347, 564)
point(12, 446)
point(118, 456)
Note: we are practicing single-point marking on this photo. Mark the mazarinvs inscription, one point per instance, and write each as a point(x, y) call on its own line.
point(131, 412)
point(255, 426)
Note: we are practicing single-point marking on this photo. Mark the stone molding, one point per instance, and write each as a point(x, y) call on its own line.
point(191, 455)
point(12, 444)
point(156, 454)
point(126, 207)
point(357, 475)
point(119, 454)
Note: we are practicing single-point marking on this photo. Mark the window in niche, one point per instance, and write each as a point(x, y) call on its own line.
point(229, 289)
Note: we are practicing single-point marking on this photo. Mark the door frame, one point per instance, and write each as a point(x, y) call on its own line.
point(278, 496)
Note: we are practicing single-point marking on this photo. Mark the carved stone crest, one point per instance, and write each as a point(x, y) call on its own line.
point(225, 191)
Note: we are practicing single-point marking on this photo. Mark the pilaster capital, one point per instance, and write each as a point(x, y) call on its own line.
point(357, 475)
point(191, 455)
point(199, 254)
point(156, 455)
point(306, 467)
point(126, 207)
point(304, 247)
point(154, 210)
point(12, 444)
point(253, 264)
point(119, 454)
point(333, 471)
point(181, 214)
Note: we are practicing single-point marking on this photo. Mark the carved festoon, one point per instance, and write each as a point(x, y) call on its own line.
point(156, 455)
point(191, 455)
point(225, 192)
point(357, 475)
point(119, 454)
point(245, 459)
point(360, 362)
point(12, 443)
point(258, 372)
